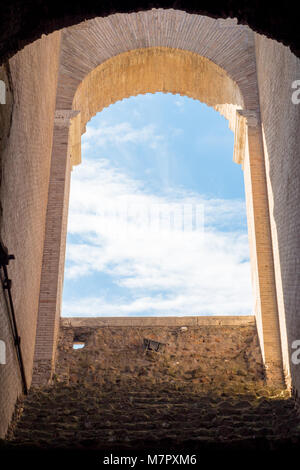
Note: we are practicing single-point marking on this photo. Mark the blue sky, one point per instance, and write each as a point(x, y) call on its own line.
point(157, 222)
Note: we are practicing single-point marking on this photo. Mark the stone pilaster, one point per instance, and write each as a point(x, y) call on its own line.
point(54, 250)
point(260, 238)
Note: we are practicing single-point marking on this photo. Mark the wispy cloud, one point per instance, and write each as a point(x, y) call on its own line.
point(122, 133)
point(180, 104)
point(165, 270)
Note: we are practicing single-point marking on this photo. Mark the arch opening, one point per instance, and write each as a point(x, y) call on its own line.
point(157, 221)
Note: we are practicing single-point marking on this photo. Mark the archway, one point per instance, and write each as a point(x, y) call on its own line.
point(176, 71)
point(44, 77)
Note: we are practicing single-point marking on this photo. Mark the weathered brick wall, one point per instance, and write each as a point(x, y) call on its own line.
point(25, 164)
point(277, 68)
point(209, 352)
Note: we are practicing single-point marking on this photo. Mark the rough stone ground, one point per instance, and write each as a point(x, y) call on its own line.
point(205, 387)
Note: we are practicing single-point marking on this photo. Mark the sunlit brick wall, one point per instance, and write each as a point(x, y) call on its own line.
point(277, 68)
point(24, 191)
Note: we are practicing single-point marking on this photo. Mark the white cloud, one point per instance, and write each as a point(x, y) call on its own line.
point(167, 271)
point(122, 133)
point(180, 104)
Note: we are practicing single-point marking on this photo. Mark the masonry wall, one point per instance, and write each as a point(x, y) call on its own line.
point(209, 353)
point(25, 165)
point(277, 68)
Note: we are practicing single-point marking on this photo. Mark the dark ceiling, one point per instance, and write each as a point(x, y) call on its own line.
point(23, 21)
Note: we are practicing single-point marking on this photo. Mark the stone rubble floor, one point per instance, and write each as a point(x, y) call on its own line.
point(90, 417)
point(109, 397)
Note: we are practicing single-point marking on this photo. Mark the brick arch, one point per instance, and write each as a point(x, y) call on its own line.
point(157, 69)
point(24, 21)
point(212, 60)
point(229, 46)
